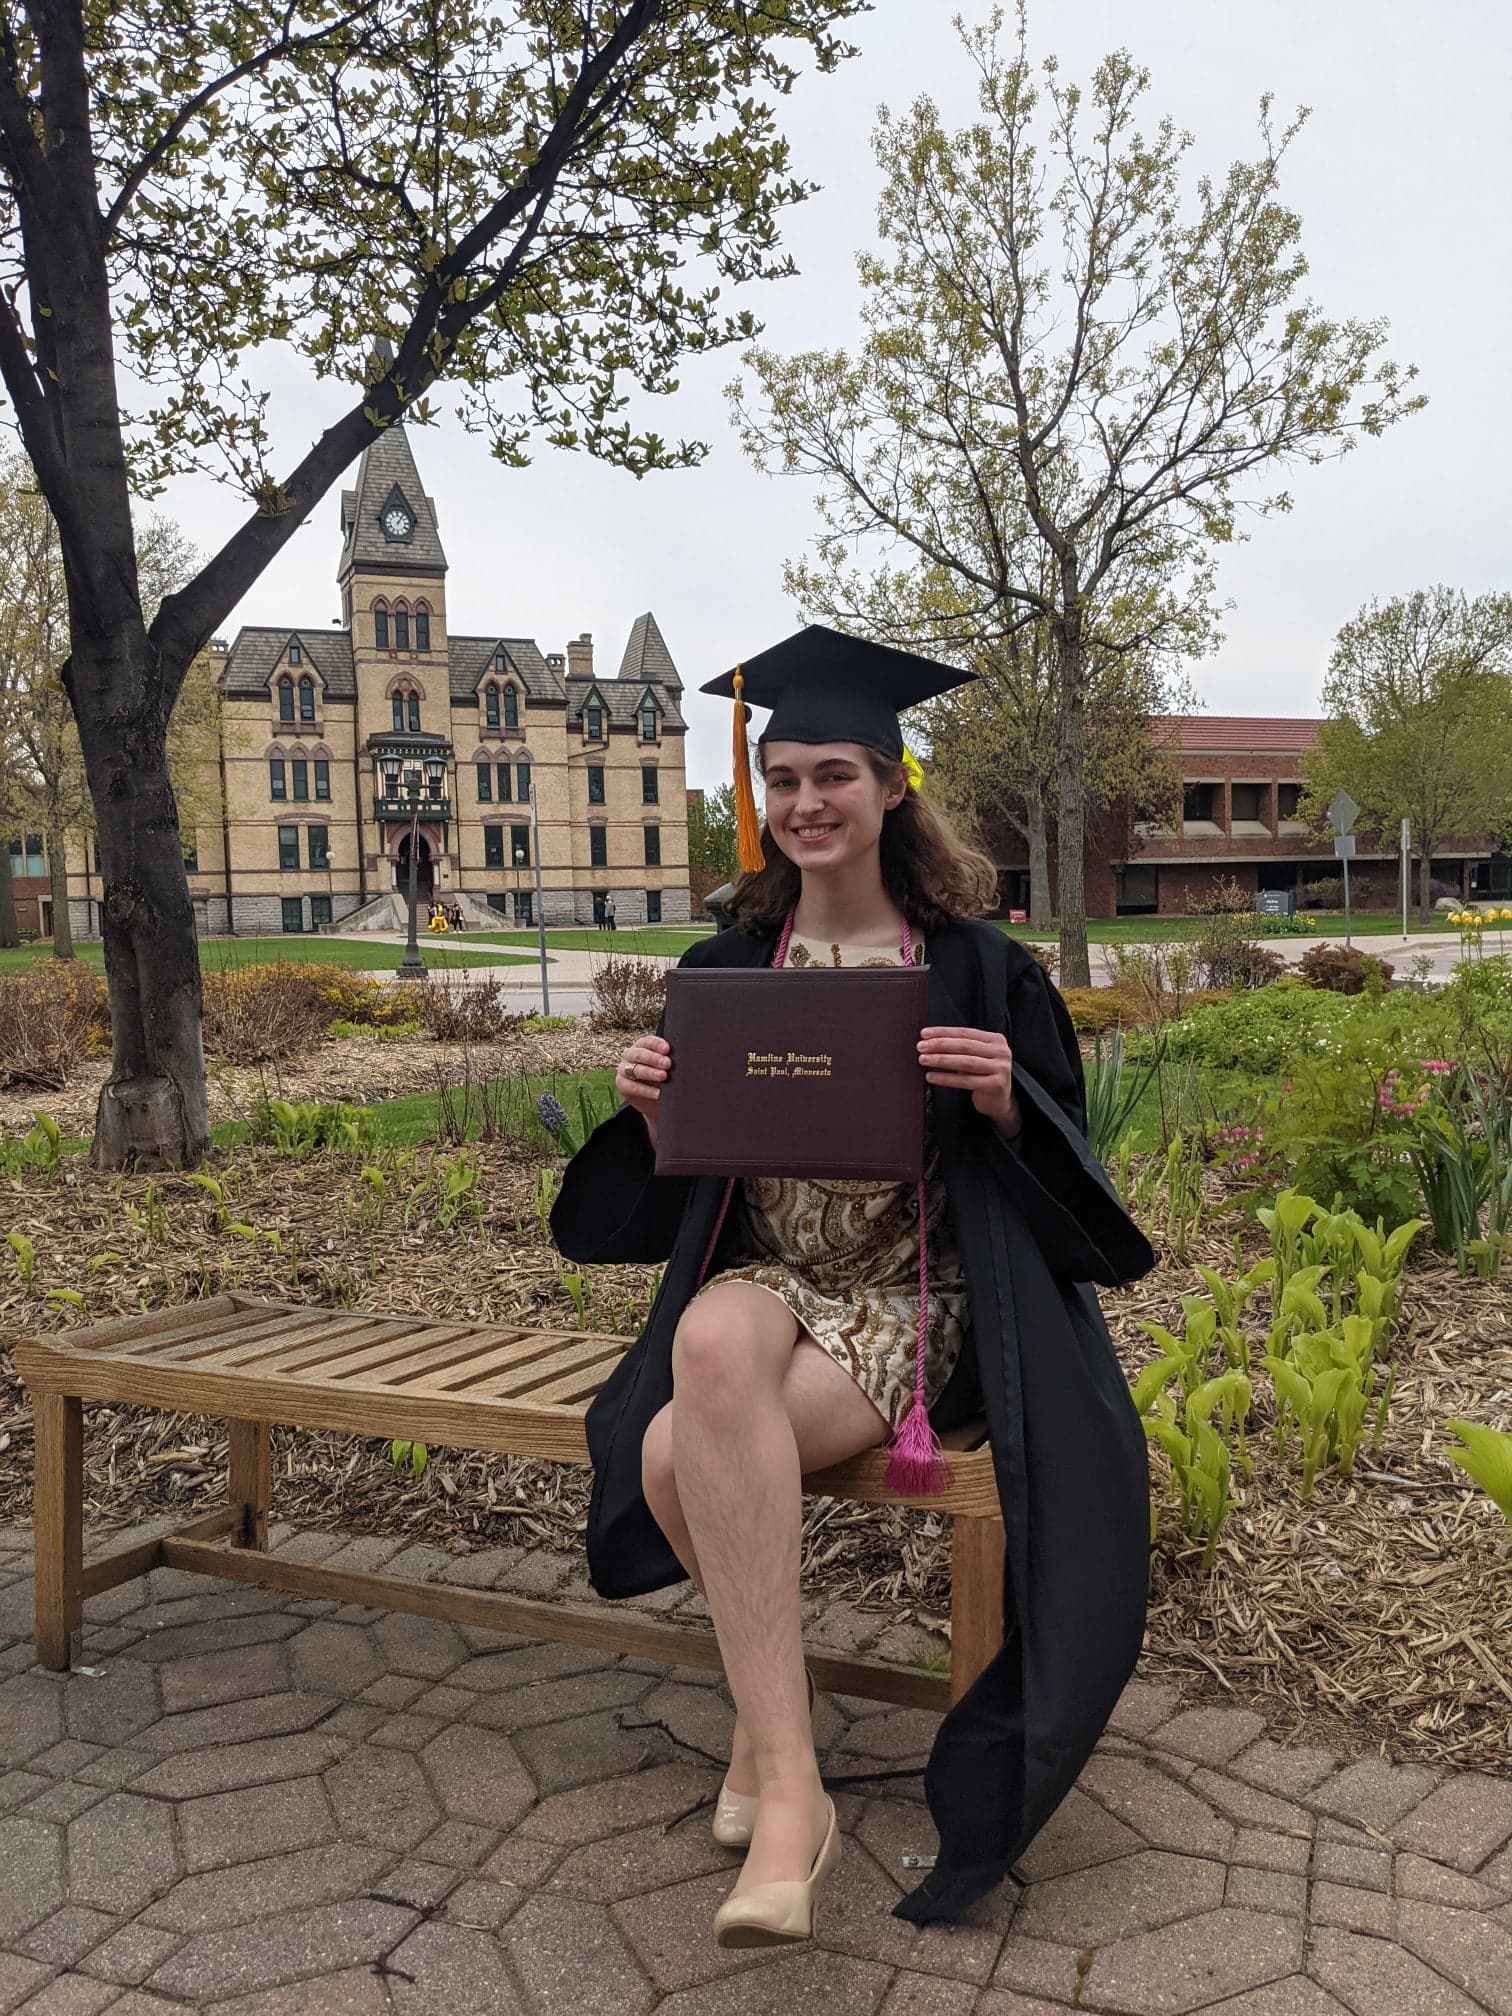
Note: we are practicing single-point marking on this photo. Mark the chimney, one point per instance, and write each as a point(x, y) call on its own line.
point(556, 661)
point(580, 656)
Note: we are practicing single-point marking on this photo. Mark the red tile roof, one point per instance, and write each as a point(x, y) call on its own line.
point(1238, 734)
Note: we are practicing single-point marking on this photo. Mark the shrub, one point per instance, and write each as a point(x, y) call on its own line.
point(364, 999)
point(1327, 893)
point(628, 993)
point(1046, 957)
point(51, 1018)
point(1227, 949)
point(456, 1010)
point(1258, 1031)
point(1344, 969)
point(262, 1014)
point(1096, 1010)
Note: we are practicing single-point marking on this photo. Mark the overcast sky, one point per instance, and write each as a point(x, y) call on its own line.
point(1402, 179)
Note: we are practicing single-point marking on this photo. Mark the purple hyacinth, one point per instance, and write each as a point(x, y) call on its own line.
point(552, 1114)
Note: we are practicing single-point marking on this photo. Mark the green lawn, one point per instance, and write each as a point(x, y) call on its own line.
point(660, 941)
point(218, 953)
point(1159, 930)
point(403, 1122)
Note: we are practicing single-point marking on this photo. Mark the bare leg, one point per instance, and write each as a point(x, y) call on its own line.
point(831, 1419)
point(738, 1476)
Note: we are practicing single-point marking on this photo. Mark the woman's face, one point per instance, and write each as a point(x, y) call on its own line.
point(825, 803)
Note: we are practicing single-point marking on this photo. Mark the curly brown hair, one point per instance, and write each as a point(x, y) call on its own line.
point(927, 868)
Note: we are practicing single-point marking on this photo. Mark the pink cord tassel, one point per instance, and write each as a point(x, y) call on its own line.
point(916, 1462)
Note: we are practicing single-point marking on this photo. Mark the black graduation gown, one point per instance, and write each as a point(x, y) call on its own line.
point(1035, 1223)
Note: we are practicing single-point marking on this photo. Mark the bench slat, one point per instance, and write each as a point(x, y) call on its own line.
point(527, 1381)
point(231, 1347)
point(529, 1350)
point(381, 1342)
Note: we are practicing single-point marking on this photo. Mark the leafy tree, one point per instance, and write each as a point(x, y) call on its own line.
point(711, 833)
point(39, 742)
point(1419, 699)
point(537, 202)
point(1053, 315)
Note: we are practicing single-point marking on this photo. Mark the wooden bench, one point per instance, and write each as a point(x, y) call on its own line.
point(474, 1386)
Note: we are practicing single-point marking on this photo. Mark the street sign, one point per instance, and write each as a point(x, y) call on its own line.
point(1344, 846)
point(1342, 813)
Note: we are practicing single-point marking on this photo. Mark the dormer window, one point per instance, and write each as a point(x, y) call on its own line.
point(295, 654)
point(306, 697)
point(648, 723)
point(491, 704)
point(501, 663)
point(511, 708)
point(593, 723)
point(380, 626)
point(286, 699)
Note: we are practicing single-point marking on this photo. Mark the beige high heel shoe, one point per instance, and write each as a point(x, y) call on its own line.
point(776, 1914)
point(735, 1812)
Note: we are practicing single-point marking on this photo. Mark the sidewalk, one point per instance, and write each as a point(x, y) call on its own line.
point(264, 1807)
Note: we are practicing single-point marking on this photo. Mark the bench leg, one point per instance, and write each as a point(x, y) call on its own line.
point(976, 1598)
point(58, 1526)
point(251, 1481)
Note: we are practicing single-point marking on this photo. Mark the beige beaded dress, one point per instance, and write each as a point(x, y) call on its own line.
point(844, 1255)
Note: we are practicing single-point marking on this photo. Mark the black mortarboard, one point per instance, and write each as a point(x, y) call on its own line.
point(825, 686)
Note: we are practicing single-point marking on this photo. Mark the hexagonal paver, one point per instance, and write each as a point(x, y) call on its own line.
point(425, 1647)
point(1462, 1822)
point(1119, 1899)
point(213, 1678)
point(457, 1969)
point(1210, 1735)
point(216, 1634)
point(1295, 1996)
point(355, 1992)
point(217, 1965)
point(478, 1776)
point(31, 1716)
point(1183, 1966)
point(581, 1694)
point(1159, 1809)
point(1078, 1834)
point(1373, 1793)
point(334, 1659)
point(647, 1858)
point(789, 1984)
point(238, 1722)
point(231, 1827)
point(1370, 1976)
point(589, 1750)
point(121, 1853)
point(264, 1761)
point(1467, 1947)
point(573, 1961)
point(31, 1874)
point(381, 1795)
point(223, 1897)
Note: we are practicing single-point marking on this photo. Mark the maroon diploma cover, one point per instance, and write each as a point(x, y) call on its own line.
point(784, 1073)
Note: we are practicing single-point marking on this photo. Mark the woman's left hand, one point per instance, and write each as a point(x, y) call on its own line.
point(977, 1061)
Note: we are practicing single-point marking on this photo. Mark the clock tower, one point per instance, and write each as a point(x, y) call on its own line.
point(392, 578)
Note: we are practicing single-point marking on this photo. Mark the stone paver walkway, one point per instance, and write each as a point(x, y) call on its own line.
point(262, 1807)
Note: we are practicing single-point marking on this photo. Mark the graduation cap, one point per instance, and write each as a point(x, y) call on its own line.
point(823, 685)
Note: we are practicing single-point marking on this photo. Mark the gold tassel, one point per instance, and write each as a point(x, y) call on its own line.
point(912, 769)
point(748, 851)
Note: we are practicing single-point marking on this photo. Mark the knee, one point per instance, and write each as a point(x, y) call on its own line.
point(709, 1366)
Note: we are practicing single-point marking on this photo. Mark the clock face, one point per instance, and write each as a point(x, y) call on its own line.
point(397, 522)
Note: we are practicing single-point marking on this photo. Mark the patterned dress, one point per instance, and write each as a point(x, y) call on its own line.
point(844, 1256)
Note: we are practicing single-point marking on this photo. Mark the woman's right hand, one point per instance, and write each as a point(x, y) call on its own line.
point(641, 1074)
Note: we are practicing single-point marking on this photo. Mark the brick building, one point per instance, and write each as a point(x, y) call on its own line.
point(1242, 782)
point(518, 748)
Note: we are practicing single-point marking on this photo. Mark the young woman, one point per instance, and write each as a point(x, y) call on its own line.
point(784, 1338)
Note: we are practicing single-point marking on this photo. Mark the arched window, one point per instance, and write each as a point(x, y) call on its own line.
point(414, 713)
point(491, 704)
point(286, 699)
point(422, 627)
point(380, 626)
point(398, 713)
point(511, 708)
point(307, 698)
point(401, 626)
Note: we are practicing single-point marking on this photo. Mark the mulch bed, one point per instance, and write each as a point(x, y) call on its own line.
point(1376, 1616)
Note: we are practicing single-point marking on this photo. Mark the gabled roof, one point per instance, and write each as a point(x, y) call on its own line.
point(258, 648)
point(386, 465)
point(621, 701)
point(1237, 734)
point(647, 657)
point(470, 657)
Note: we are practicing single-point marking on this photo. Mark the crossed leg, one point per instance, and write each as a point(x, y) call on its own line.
point(756, 1403)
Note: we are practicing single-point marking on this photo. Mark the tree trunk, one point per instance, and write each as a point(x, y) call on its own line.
point(154, 1110)
point(10, 935)
point(57, 868)
point(1425, 884)
point(1041, 909)
point(1071, 815)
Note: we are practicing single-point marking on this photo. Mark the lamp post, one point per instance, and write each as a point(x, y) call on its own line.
point(395, 772)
